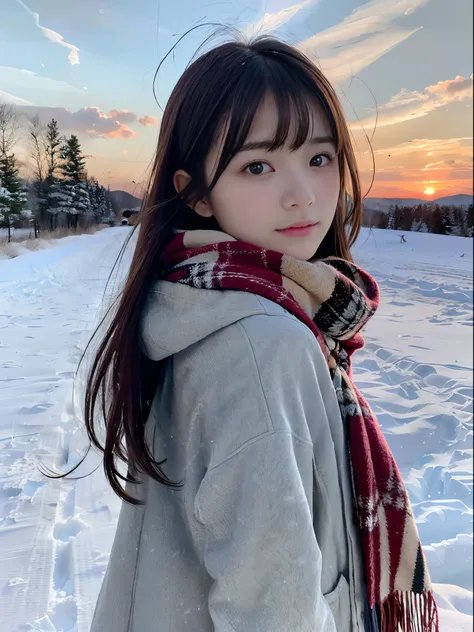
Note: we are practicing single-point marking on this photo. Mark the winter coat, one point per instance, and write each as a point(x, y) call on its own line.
point(262, 536)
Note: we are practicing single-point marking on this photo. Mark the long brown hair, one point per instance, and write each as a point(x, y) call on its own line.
point(221, 89)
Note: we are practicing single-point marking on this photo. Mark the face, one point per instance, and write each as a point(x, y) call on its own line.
point(261, 195)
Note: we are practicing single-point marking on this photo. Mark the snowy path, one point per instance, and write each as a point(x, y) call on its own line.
point(51, 562)
point(55, 537)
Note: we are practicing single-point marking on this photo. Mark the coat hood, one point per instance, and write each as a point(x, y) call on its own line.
point(176, 316)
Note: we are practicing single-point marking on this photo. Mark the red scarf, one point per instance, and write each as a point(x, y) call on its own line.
point(335, 299)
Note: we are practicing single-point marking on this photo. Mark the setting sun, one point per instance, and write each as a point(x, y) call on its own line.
point(429, 191)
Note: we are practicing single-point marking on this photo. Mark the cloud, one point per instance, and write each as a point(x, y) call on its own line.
point(270, 22)
point(31, 80)
point(457, 88)
point(93, 122)
point(89, 120)
point(408, 105)
point(121, 132)
point(148, 120)
point(442, 165)
point(359, 40)
point(431, 146)
point(53, 37)
point(412, 165)
point(123, 116)
point(5, 97)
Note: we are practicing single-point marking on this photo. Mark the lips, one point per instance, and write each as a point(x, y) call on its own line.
point(298, 230)
point(299, 225)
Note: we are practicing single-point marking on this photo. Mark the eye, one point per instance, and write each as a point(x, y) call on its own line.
point(257, 168)
point(321, 160)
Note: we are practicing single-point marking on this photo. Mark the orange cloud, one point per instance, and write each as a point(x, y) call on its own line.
point(121, 132)
point(89, 120)
point(406, 169)
point(148, 120)
point(123, 116)
point(457, 88)
point(408, 105)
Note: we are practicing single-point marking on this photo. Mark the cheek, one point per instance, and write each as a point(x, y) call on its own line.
point(329, 191)
point(234, 197)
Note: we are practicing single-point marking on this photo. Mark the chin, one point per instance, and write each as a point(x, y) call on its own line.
point(303, 252)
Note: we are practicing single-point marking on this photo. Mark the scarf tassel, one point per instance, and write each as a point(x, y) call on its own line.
point(409, 612)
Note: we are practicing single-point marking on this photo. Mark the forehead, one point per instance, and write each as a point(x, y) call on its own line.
point(304, 123)
point(265, 122)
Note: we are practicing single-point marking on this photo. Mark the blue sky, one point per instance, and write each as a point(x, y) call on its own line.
point(90, 64)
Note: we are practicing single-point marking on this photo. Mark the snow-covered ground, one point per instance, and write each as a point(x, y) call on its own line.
point(23, 233)
point(55, 536)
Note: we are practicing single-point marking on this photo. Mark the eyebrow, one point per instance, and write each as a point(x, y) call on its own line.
point(268, 144)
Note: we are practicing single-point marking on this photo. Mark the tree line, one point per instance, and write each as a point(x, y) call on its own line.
point(60, 193)
point(424, 218)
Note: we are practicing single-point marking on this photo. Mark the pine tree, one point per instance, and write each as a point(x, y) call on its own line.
point(72, 192)
point(459, 221)
point(397, 217)
point(74, 164)
point(5, 201)
point(98, 203)
point(53, 148)
point(91, 190)
point(469, 221)
point(101, 205)
point(436, 224)
point(391, 218)
point(52, 189)
point(110, 212)
point(12, 192)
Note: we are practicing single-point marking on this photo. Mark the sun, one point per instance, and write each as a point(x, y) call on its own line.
point(429, 191)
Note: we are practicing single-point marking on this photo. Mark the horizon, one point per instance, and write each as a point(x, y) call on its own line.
point(369, 197)
point(91, 67)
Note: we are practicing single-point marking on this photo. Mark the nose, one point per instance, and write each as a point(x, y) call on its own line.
point(298, 194)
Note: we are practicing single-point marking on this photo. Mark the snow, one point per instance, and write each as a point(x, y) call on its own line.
point(415, 370)
point(28, 250)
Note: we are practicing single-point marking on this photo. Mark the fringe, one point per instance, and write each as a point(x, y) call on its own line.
point(409, 612)
point(371, 622)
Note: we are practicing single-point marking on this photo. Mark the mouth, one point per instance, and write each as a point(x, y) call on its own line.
point(298, 230)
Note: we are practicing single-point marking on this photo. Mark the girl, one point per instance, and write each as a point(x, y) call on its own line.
point(260, 494)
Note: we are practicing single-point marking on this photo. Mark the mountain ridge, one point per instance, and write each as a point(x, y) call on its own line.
point(123, 200)
point(383, 204)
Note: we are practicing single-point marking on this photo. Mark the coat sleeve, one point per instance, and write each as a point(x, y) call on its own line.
point(260, 544)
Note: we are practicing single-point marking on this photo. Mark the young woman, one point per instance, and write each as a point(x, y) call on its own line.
point(260, 494)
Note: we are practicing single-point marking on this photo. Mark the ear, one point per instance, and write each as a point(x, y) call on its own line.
point(181, 179)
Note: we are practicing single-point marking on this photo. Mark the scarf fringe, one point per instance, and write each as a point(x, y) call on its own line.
point(409, 612)
point(371, 623)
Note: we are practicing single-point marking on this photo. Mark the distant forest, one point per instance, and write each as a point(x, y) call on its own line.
point(423, 218)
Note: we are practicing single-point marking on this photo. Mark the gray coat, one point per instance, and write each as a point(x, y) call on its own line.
point(262, 537)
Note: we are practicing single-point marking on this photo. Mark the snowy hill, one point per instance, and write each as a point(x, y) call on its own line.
point(383, 204)
point(415, 370)
point(122, 199)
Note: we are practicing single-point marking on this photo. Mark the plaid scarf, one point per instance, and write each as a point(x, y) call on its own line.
point(335, 299)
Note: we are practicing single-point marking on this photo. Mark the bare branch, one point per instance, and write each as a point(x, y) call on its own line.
point(9, 127)
point(37, 141)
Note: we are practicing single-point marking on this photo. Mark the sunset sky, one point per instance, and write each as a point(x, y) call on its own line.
point(90, 65)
